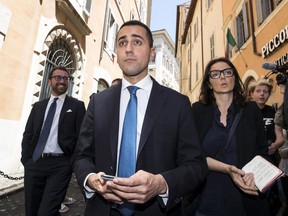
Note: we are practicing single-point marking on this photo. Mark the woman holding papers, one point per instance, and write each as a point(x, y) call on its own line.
point(232, 133)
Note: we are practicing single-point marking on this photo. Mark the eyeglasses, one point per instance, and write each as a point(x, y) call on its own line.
point(59, 78)
point(215, 74)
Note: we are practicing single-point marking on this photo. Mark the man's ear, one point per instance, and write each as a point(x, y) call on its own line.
point(152, 54)
point(49, 82)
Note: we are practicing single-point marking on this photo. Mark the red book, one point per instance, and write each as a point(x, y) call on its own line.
point(265, 173)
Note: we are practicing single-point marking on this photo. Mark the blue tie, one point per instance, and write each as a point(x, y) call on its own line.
point(45, 131)
point(127, 157)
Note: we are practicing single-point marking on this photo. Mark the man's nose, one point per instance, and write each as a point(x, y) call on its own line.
point(129, 48)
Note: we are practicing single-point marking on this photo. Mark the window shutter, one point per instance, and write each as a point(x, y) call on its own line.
point(236, 37)
point(259, 12)
point(245, 21)
point(108, 16)
point(88, 6)
point(114, 37)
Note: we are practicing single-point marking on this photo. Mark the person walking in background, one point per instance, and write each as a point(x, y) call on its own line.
point(116, 81)
point(280, 120)
point(48, 143)
point(166, 162)
point(283, 165)
point(232, 133)
point(260, 92)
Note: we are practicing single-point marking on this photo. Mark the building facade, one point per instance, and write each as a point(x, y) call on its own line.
point(37, 35)
point(199, 39)
point(165, 67)
point(259, 30)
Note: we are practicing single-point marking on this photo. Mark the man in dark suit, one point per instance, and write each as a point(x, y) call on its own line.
point(169, 162)
point(48, 171)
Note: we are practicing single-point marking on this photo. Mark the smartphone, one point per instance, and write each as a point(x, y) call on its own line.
point(107, 177)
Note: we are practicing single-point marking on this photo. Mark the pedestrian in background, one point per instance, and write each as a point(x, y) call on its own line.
point(166, 162)
point(260, 91)
point(116, 81)
point(48, 143)
point(232, 133)
point(280, 120)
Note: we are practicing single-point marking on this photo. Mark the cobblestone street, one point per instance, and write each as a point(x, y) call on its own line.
point(13, 204)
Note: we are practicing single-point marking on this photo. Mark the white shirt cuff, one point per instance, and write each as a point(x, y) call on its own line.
point(88, 191)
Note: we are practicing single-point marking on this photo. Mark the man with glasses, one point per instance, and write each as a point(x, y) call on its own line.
point(48, 143)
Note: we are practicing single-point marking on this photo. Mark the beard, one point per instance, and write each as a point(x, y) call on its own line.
point(59, 88)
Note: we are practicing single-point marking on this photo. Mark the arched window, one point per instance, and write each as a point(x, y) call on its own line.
point(59, 49)
point(102, 85)
point(59, 54)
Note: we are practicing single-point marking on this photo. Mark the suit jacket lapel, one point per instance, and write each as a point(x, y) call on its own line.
point(113, 107)
point(65, 107)
point(154, 107)
point(42, 108)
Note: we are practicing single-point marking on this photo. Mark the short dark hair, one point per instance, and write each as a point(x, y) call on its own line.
point(58, 68)
point(207, 96)
point(116, 81)
point(138, 23)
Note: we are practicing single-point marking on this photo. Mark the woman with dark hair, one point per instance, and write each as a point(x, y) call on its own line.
point(231, 133)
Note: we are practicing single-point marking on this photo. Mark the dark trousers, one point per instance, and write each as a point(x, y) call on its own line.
point(284, 181)
point(45, 184)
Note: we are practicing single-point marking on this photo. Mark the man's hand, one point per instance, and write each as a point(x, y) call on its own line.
point(95, 182)
point(139, 188)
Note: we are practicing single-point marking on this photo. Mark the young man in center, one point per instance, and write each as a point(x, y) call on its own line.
point(168, 160)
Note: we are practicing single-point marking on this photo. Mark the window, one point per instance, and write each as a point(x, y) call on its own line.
point(59, 54)
point(197, 71)
point(196, 29)
point(209, 2)
point(241, 24)
point(212, 47)
point(264, 8)
point(102, 85)
point(110, 32)
point(132, 16)
point(5, 15)
point(87, 6)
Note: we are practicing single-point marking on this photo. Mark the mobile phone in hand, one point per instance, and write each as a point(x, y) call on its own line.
point(107, 177)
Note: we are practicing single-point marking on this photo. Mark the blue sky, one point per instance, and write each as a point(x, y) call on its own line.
point(164, 15)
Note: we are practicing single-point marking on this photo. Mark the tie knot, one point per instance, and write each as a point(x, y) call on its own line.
point(132, 89)
point(55, 99)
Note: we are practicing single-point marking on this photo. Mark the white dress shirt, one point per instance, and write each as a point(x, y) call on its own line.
point(52, 145)
point(143, 94)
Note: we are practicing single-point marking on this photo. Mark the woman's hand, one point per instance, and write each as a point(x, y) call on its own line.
point(244, 181)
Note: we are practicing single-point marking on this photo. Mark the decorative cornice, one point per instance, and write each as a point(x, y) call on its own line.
point(67, 8)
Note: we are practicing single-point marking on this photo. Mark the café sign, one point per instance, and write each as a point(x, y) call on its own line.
point(275, 42)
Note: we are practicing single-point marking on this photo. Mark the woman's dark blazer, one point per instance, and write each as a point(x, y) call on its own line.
point(250, 138)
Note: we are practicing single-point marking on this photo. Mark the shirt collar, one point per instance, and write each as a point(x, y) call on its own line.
point(61, 97)
point(145, 84)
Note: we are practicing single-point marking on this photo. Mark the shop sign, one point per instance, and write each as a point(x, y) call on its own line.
point(275, 42)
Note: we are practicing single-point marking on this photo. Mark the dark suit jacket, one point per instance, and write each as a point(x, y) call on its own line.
point(68, 127)
point(168, 145)
point(250, 138)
